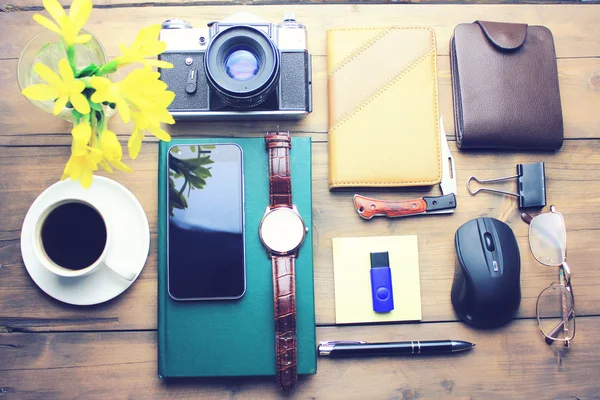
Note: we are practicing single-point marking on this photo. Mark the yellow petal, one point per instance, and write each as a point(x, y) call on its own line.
point(153, 48)
point(81, 138)
point(95, 155)
point(66, 73)
point(68, 30)
point(160, 133)
point(83, 38)
point(85, 178)
point(99, 82)
point(77, 86)
point(121, 166)
point(124, 111)
point(60, 104)
point(46, 23)
point(73, 168)
point(105, 166)
point(158, 64)
point(40, 92)
point(80, 12)
point(54, 8)
point(80, 103)
point(135, 144)
point(150, 32)
point(110, 146)
point(66, 174)
point(162, 115)
point(47, 74)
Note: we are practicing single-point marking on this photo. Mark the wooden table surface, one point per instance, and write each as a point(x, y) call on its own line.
point(51, 350)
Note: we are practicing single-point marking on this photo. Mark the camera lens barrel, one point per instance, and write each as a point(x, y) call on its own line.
point(242, 66)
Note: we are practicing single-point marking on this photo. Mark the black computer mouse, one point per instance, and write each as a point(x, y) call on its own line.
point(486, 291)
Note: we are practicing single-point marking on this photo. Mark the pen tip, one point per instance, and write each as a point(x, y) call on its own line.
point(473, 345)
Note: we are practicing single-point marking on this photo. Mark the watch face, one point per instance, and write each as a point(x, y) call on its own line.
point(282, 230)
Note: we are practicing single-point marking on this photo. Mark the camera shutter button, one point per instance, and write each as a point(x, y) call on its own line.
point(190, 86)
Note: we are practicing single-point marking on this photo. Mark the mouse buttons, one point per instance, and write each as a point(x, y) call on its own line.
point(489, 242)
point(489, 238)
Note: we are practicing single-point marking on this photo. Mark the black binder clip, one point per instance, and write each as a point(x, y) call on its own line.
point(531, 185)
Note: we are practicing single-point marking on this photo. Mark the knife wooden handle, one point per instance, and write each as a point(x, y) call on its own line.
point(367, 207)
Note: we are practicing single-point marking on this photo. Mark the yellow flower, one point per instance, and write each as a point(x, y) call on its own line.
point(113, 153)
point(147, 120)
point(68, 26)
point(82, 134)
point(82, 167)
point(146, 44)
point(140, 88)
point(63, 88)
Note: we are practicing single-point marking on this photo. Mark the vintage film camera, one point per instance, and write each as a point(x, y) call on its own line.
point(242, 67)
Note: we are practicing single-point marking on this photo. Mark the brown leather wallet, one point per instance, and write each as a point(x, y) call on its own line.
point(505, 87)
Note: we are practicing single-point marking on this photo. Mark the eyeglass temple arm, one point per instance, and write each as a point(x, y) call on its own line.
point(557, 328)
point(526, 218)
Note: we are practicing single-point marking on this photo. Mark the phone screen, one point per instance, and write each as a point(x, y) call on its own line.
point(206, 222)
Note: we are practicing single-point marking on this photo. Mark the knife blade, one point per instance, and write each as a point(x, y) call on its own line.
point(368, 207)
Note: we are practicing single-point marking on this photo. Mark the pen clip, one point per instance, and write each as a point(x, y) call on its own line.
point(326, 347)
point(334, 342)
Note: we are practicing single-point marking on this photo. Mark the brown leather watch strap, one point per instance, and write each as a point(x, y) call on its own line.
point(280, 181)
point(284, 288)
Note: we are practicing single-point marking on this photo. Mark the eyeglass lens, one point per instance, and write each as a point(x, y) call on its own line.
point(547, 239)
point(550, 306)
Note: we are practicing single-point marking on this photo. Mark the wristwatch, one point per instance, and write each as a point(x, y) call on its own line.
point(282, 232)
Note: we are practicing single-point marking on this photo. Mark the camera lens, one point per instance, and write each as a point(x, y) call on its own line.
point(242, 66)
point(241, 63)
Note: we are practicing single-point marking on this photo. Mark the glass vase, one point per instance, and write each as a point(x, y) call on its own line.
point(47, 48)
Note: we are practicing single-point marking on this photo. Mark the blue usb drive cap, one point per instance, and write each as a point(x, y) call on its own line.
point(381, 283)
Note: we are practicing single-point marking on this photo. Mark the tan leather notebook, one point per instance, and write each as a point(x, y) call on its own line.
point(383, 107)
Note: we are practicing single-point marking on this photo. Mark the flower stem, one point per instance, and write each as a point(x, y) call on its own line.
point(71, 57)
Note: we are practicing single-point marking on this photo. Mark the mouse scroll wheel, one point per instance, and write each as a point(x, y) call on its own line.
point(489, 243)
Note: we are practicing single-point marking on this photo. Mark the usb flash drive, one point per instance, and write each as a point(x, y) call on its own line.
point(381, 283)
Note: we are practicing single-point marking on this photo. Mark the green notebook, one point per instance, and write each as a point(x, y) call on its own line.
point(237, 337)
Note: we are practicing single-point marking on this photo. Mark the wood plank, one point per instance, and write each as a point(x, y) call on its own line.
point(513, 362)
point(21, 123)
point(572, 185)
point(113, 27)
point(28, 5)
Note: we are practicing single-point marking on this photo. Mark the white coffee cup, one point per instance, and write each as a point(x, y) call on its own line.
point(105, 260)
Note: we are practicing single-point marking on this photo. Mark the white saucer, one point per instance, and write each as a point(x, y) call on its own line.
point(131, 242)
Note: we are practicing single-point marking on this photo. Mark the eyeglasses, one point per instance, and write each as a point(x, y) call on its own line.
point(555, 307)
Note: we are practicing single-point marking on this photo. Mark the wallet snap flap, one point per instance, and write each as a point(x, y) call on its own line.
point(505, 36)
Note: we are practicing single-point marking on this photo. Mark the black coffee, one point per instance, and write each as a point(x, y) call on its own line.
point(74, 235)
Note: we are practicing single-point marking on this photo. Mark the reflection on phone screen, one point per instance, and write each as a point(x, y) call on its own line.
point(206, 222)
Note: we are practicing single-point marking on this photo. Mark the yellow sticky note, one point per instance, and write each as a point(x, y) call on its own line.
point(352, 279)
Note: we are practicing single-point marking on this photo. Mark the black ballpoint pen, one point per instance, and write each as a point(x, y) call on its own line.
point(360, 349)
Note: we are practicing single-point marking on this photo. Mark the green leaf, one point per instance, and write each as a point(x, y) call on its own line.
point(88, 71)
point(193, 149)
point(77, 115)
point(95, 106)
point(196, 162)
point(202, 172)
point(207, 147)
point(196, 181)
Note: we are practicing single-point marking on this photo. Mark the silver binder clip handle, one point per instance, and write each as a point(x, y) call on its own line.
point(473, 193)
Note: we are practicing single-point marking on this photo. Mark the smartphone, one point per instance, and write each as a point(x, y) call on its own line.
point(205, 234)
